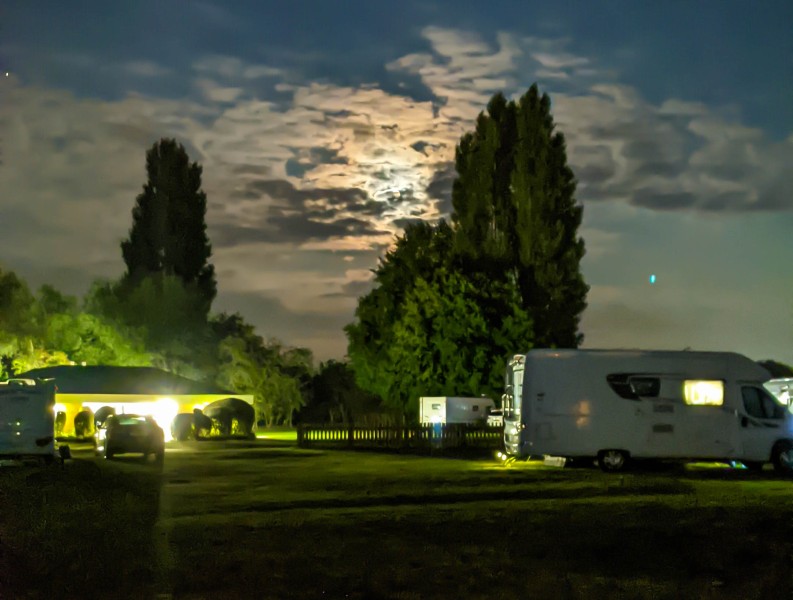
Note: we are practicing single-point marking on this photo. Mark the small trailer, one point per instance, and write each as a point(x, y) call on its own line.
point(453, 409)
point(27, 420)
point(621, 405)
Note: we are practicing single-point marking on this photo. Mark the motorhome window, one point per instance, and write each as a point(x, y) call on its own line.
point(703, 393)
point(760, 404)
point(645, 387)
point(436, 407)
point(475, 408)
point(620, 383)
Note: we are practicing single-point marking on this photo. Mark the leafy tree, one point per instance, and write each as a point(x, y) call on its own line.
point(276, 396)
point(87, 338)
point(515, 216)
point(417, 254)
point(337, 397)
point(453, 339)
point(167, 314)
point(52, 302)
point(168, 234)
point(18, 315)
point(21, 326)
point(776, 369)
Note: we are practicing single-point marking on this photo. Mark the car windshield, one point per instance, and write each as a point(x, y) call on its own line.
point(130, 420)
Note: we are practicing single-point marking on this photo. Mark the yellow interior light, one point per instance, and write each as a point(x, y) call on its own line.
point(703, 393)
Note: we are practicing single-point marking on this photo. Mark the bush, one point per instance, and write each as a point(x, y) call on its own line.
point(183, 427)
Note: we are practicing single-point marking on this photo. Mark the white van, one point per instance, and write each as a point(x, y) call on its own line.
point(619, 405)
point(453, 409)
point(27, 420)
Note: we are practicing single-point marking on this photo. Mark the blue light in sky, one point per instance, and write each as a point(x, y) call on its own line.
point(652, 279)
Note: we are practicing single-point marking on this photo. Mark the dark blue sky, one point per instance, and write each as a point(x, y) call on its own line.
point(323, 126)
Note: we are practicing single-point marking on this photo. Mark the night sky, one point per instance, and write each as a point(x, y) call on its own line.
point(324, 127)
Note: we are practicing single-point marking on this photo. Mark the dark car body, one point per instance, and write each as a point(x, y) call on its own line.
point(125, 434)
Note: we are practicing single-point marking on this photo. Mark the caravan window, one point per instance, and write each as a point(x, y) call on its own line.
point(646, 387)
point(634, 387)
point(703, 392)
point(760, 404)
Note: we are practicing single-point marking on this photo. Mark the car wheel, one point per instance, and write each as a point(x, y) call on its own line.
point(782, 457)
point(108, 453)
point(612, 461)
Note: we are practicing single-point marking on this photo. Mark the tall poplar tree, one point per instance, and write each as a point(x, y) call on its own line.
point(168, 235)
point(515, 215)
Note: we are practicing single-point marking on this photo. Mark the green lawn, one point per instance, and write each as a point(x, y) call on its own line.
point(264, 519)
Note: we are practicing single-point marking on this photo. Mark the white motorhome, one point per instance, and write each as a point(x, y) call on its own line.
point(27, 419)
point(453, 409)
point(618, 405)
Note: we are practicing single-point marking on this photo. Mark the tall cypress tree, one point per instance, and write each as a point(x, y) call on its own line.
point(168, 234)
point(515, 213)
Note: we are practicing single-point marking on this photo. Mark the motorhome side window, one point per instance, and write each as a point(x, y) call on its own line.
point(760, 404)
point(634, 387)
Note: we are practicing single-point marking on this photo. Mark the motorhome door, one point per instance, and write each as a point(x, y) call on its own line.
point(762, 420)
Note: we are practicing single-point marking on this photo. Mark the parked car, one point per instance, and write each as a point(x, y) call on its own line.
point(127, 434)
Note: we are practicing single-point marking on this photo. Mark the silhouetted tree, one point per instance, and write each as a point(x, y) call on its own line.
point(515, 216)
point(168, 234)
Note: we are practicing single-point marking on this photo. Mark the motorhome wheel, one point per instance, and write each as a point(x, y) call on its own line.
point(782, 457)
point(612, 461)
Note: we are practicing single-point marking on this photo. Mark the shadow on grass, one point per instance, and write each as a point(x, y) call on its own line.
point(82, 531)
point(599, 489)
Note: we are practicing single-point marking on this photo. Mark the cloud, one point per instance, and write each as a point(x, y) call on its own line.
point(217, 93)
point(302, 175)
point(145, 68)
point(676, 156)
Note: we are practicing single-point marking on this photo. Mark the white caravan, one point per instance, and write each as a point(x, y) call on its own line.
point(453, 409)
point(618, 405)
point(27, 419)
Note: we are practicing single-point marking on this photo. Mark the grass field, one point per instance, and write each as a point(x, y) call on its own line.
point(266, 520)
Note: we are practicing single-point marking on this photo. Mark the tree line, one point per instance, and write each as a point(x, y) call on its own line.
point(451, 302)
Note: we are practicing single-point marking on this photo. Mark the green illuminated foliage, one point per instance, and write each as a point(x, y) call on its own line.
point(452, 340)
point(276, 395)
point(91, 339)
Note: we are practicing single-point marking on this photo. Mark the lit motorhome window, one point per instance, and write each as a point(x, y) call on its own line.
point(703, 393)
